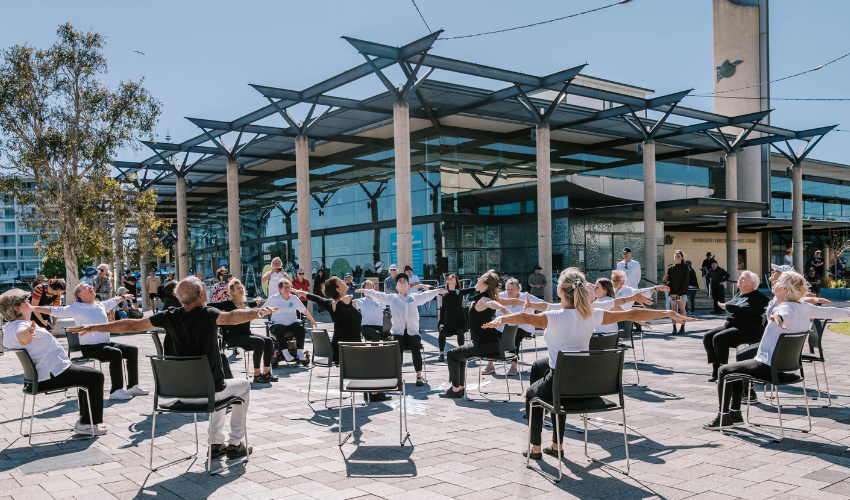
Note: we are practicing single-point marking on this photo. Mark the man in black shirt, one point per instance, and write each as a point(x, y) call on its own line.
point(717, 277)
point(744, 322)
point(192, 330)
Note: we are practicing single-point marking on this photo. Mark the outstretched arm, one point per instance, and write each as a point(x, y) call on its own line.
point(535, 320)
point(610, 317)
point(243, 315)
point(638, 297)
point(120, 326)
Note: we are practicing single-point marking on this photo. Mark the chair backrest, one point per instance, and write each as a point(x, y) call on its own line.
point(604, 341)
point(508, 340)
point(322, 347)
point(358, 360)
point(30, 373)
point(816, 336)
point(587, 374)
point(786, 355)
point(73, 343)
point(625, 328)
point(157, 343)
point(183, 377)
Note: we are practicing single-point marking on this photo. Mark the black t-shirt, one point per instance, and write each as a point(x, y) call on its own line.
point(131, 284)
point(233, 330)
point(814, 283)
point(192, 333)
point(478, 318)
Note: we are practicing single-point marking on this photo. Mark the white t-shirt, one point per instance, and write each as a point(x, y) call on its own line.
point(47, 355)
point(627, 291)
point(797, 316)
point(274, 279)
point(568, 331)
point(285, 315)
point(371, 310)
point(516, 309)
point(413, 279)
point(604, 304)
point(632, 270)
point(87, 314)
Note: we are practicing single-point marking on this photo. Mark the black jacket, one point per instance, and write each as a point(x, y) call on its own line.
point(747, 311)
point(718, 276)
point(452, 314)
point(677, 279)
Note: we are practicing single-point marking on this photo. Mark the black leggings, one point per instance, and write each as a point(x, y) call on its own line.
point(263, 347)
point(444, 333)
point(114, 354)
point(457, 357)
point(734, 390)
point(520, 336)
point(373, 333)
point(87, 377)
point(540, 386)
point(413, 343)
point(718, 341)
point(280, 332)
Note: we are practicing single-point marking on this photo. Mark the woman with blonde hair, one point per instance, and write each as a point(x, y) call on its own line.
point(789, 313)
point(568, 327)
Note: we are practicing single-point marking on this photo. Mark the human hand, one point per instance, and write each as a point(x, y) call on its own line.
point(347, 299)
point(722, 305)
point(313, 322)
point(822, 300)
point(81, 329)
point(527, 304)
point(497, 322)
point(442, 291)
point(779, 321)
point(25, 337)
point(642, 299)
point(265, 311)
point(681, 318)
point(663, 288)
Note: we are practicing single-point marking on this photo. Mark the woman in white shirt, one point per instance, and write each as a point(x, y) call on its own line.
point(372, 311)
point(790, 314)
point(567, 329)
point(51, 363)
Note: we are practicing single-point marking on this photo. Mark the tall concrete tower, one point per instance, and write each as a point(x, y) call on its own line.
point(741, 59)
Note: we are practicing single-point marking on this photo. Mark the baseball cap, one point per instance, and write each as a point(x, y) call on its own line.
point(408, 268)
point(627, 250)
point(347, 275)
point(90, 272)
point(781, 269)
point(537, 267)
point(393, 267)
point(121, 291)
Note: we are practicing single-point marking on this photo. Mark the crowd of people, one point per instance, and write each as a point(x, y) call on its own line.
point(583, 309)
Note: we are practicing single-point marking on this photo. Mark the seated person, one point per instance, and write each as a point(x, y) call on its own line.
point(404, 307)
point(285, 321)
point(124, 305)
point(97, 345)
point(192, 330)
point(240, 335)
point(513, 291)
point(744, 322)
point(790, 315)
point(372, 312)
point(168, 297)
point(345, 316)
point(51, 363)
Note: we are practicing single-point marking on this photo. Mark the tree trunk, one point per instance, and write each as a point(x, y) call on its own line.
point(827, 254)
point(71, 272)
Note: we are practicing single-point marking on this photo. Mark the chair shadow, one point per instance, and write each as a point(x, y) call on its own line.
point(379, 461)
point(201, 484)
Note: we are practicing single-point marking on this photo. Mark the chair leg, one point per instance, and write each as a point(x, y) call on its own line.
point(182, 459)
point(528, 465)
point(606, 464)
point(402, 408)
point(29, 435)
point(353, 418)
point(245, 357)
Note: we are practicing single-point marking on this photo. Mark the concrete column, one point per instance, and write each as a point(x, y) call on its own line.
point(650, 267)
point(182, 259)
point(403, 212)
point(143, 281)
point(797, 217)
point(158, 262)
point(302, 184)
point(544, 208)
point(732, 219)
point(233, 228)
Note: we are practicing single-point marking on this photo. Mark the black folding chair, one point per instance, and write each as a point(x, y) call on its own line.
point(786, 359)
point(157, 343)
point(581, 380)
point(31, 389)
point(371, 367)
point(74, 346)
point(323, 358)
point(188, 377)
point(507, 344)
point(626, 329)
point(604, 341)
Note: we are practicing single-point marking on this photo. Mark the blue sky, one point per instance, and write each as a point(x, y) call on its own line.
point(200, 56)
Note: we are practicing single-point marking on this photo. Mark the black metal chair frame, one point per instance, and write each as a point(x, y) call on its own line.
point(346, 382)
point(628, 333)
point(31, 380)
point(785, 343)
point(388, 335)
point(507, 343)
point(321, 334)
point(564, 370)
point(815, 342)
point(201, 366)
point(75, 346)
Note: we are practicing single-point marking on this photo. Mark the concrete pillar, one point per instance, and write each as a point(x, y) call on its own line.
point(233, 229)
point(650, 267)
point(732, 219)
point(143, 281)
point(302, 185)
point(403, 212)
point(797, 217)
point(544, 208)
point(182, 259)
point(158, 262)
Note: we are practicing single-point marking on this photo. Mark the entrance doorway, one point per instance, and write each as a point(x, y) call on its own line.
point(603, 250)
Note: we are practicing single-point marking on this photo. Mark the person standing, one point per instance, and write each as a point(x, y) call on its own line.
point(693, 288)
point(788, 259)
point(677, 280)
point(153, 283)
point(631, 268)
point(318, 283)
point(301, 283)
point(717, 277)
point(103, 282)
point(129, 281)
point(537, 283)
point(390, 282)
point(350, 284)
point(706, 264)
point(88, 276)
point(813, 280)
point(219, 291)
point(452, 317)
point(275, 275)
point(815, 262)
point(411, 278)
point(48, 293)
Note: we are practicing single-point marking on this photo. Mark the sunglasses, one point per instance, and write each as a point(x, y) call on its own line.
point(300, 274)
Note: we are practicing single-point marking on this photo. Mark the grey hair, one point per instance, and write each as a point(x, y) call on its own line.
point(77, 290)
point(108, 271)
point(9, 301)
point(515, 282)
point(190, 291)
point(753, 277)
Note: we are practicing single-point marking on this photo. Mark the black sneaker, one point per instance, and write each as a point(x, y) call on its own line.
point(419, 382)
point(378, 397)
point(442, 358)
point(752, 399)
point(452, 394)
point(261, 379)
point(270, 377)
point(218, 450)
point(238, 451)
point(304, 361)
point(715, 424)
point(737, 418)
point(532, 455)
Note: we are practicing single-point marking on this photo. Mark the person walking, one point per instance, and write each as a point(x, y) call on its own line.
point(677, 279)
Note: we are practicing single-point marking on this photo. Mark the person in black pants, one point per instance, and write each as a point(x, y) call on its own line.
point(717, 277)
point(345, 316)
point(744, 322)
point(240, 335)
point(693, 288)
point(52, 365)
point(372, 312)
point(452, 317)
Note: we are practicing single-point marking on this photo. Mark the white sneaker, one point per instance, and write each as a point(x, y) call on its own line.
point(120, 394)
point(81, 428)
point(137, 391)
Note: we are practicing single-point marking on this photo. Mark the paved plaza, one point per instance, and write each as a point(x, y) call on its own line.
point(460, 449)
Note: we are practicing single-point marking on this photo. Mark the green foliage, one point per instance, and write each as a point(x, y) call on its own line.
point(834, 283)
point(54, 267)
